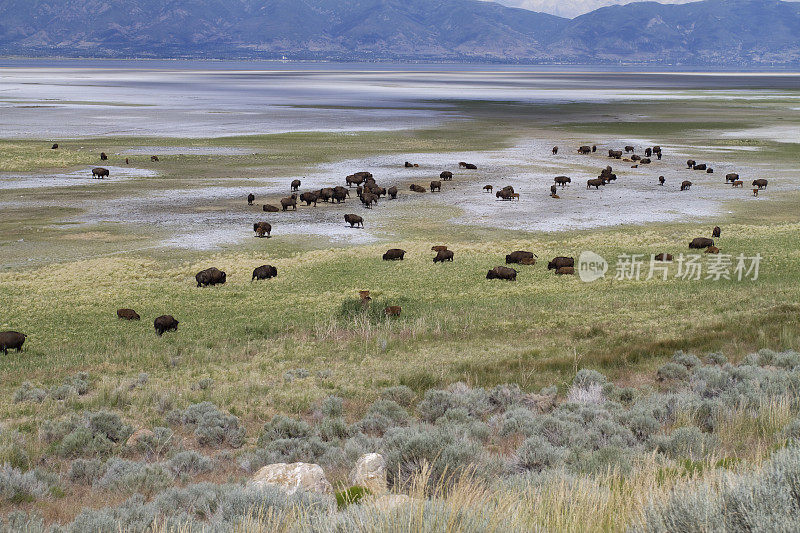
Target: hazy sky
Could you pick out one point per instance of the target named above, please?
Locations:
(573, 8)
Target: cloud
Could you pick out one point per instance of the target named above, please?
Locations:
(573, 8)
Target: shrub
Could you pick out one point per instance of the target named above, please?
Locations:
(517, 421)
(400, 394)
(716, 359)
(593, 393)
(382, 415)
(295, 373)
(19, 487)
(333, 407)
(86, 471)
(134, 476)
(688, 360)
(586, 377)
(536, 454)
(27, 393)
(212, 426)
(505, 395)
(672, 371)
(109, 425)
(684, 442)
(189, 463)
(284, 427)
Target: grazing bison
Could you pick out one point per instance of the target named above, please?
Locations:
(354, 180)
(691, 163)
(661, 180)
(553, 190)
(663, 257)
(262, 228)
(505, 194)
(154, 158)
(438, 248)
(712, 250)
(392, 192)
(291, 201)
(446, 176)
(635, 157)
(436, 186)
(555, 150)
(596, 183)
(11, 340)
(165, 323)
(264, 272)
(709, 171)
(295, 185)
(686, 185)
(470, 166)
(731, 177)
(701, 166)
(127, 314)
(100, 172)
(443, 255)
(251, 198)
(629, 149)
(559, 262)
(324, 194)
(656, 149)
(368, 199)
(716, 232)
(354, 220)
(488, 188)
(760, 183)
(518, 256)
(103, 156)
(648, 152)
(701, 242)
(210, 276)
(270, 208)
(645, 161)
(409, 165)
(616, 154)
(309, 198)
(738, 183)
(562, 180)
(417, 188)
(394, 254)
(54, 147)
(501, 272)
(585, 150)
(393, 310)
(339, 196)
(568, 271)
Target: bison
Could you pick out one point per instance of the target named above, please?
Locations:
(691, 163)
(615, 154)
(251, 198)
(555, 150)
(443, 255)
(700, 243)
(154, 158)
(127, 314)
(262, 228)
(100, 172)
(392, 192)
(446, 176)
(501, 272)
(394, 254)
(339, 196)
(645, 161)
(291, 201)
(264, 272)
(324, 194)
(438, 248)
(709, 170)
(354, 180)
(393, 310)
(54, 147)
(716, 232)
(648, 152)
(559, 262)
(436, 186)
(686, 185)
(712, 250)
(518, 256)
(354, 220)
(488, 188)
(731, 177)
(417, 188)
(210, 276)
(295, 185)
(568, 271)
(596, 183)
(553, 190)
(103, 156)
(368, 199)
(661, 180)
(738, 183)
(12, 340)
(562, 180)
(270, 208)
(663, 257)
(505, 194)
(585, 150)
(760, 183)
(701, 166)
(309, 198)
(165, 323)
(629, 149)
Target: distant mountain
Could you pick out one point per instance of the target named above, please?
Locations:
(718, 32)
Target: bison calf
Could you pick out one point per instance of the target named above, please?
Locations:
(393, 310)
(11, 340)
(716, 232)
(165, 323)
(568, 271)
(127, 314)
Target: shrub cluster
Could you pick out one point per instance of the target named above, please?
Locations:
(212, 427)
(73, 386)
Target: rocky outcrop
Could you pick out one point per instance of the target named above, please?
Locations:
(370, 472)
(292, 477)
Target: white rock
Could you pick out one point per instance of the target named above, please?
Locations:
(370, 472)
(293, 477)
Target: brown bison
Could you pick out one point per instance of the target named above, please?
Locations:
(417, 188)
(596, 183)
(368, 199)
(615, 154)
(210, 276)
(165, 323)
(262, 228)
(393, 310)
(716, 232)
(645, 161)
(661, 180)
(700, 243)
(410, 165)
(392, 192)
(291, 201)
(691, 163)
(11, 340)
(555, 150)
(738, 183)
(443, 255)
(446, 176)
(686, 185)
(656, 149)
(251, 198)
(629, 149)
(103, 156)
(354, 220)
(712, 250)
(100, 172)
(339, 196)
(127, 314)
(438, 248)
(635, 157)
(568, 271)
(324, 194)
(701, 166)
(760, 183)
(648, 152)
(731, 177)
(352, 180)
(505, 194)
(264, 272)
(309, 198)
(54, 147)
(518, 256)
(559, 262)
(154, 158)
(295, 185)
(562, 180)
(488, 188)
(709, 170)
(270, 208)
(585, 150)
(394, 254)
(553, 190)
(594, 148)
(436, 186)
(663, 257)
(501, 272)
